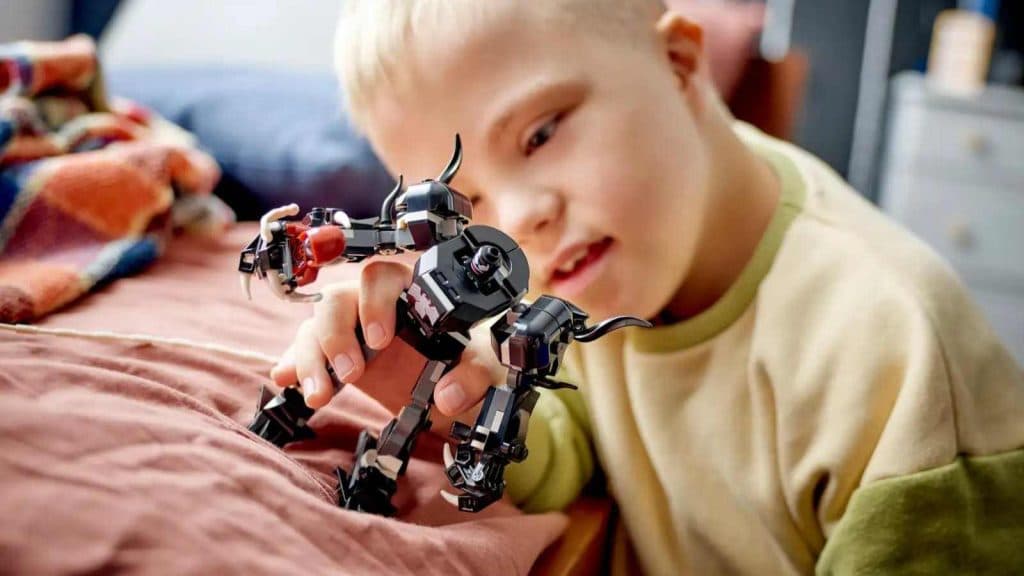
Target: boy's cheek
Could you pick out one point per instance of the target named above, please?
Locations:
(483, 215)
(537, 284)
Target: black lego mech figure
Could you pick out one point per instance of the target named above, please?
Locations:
(465, 274)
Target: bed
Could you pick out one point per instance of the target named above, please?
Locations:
(124, 447)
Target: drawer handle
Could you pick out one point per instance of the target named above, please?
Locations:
(961, 235)
(976, 143)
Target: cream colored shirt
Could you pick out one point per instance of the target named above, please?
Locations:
(846, 353)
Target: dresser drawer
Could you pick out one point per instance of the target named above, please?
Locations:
(949, 141)
(979, 229)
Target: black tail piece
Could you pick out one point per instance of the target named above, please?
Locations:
(609, 325)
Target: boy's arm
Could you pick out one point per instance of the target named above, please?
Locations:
(560, 460)
(899, 422)
(917, 456)
(967, 516)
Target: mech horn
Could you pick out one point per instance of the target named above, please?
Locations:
(453, 164)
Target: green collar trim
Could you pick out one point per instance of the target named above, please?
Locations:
(738, 297)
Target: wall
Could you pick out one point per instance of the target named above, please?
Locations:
(297, 34)
(831, 33)
(33, 19)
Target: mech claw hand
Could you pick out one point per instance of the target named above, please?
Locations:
(530, 341)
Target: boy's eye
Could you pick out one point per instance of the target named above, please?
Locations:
(542, 135)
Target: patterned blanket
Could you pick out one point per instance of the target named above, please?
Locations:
(91, 188)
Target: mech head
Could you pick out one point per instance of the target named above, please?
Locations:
(432, 210)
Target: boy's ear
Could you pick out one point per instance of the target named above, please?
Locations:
(683, 41)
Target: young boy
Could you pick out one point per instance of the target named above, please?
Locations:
(820, 394)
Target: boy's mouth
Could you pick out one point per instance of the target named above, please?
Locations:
(576, 266)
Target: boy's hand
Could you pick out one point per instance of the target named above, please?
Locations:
(330, 335)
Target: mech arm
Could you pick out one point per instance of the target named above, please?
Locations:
(530, 342)
(288, 254)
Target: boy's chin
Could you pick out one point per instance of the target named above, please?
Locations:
(606, 308)
(597, 304)
(597, 308)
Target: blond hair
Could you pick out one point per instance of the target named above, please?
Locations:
(374, 37)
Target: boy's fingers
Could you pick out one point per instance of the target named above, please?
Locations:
(382, 283)
(334, 323)
(310, 371)
(463, 387)
(283, 373)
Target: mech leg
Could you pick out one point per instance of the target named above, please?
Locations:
(282, 419)
(497, 438)
(379, 462)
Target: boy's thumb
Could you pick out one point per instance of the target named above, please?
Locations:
(463, 387)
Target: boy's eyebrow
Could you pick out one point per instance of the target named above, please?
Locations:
(510, 107)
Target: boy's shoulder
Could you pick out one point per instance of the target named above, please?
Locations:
(863, 311)
(841, 250)
(886, 376)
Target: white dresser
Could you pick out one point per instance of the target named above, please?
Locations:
(953, 173)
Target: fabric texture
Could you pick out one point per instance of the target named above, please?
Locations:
(279, 136)
(90, 188)
(130, 454)
(846, 356)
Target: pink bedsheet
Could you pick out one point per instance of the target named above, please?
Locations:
(129, 455)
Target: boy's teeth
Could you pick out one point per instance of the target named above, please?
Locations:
(571, 263)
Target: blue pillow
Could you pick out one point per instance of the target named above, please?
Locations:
(279, 137)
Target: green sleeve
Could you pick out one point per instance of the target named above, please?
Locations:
(963, 518)
(560, 461)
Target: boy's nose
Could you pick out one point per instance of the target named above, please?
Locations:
(530, 214)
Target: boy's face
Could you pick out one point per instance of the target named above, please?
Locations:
(587, 152)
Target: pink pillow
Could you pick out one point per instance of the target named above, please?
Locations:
(730, 30)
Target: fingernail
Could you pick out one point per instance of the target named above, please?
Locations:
(375, 335)
(451, 397)
(343, 366)
(309, 387)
